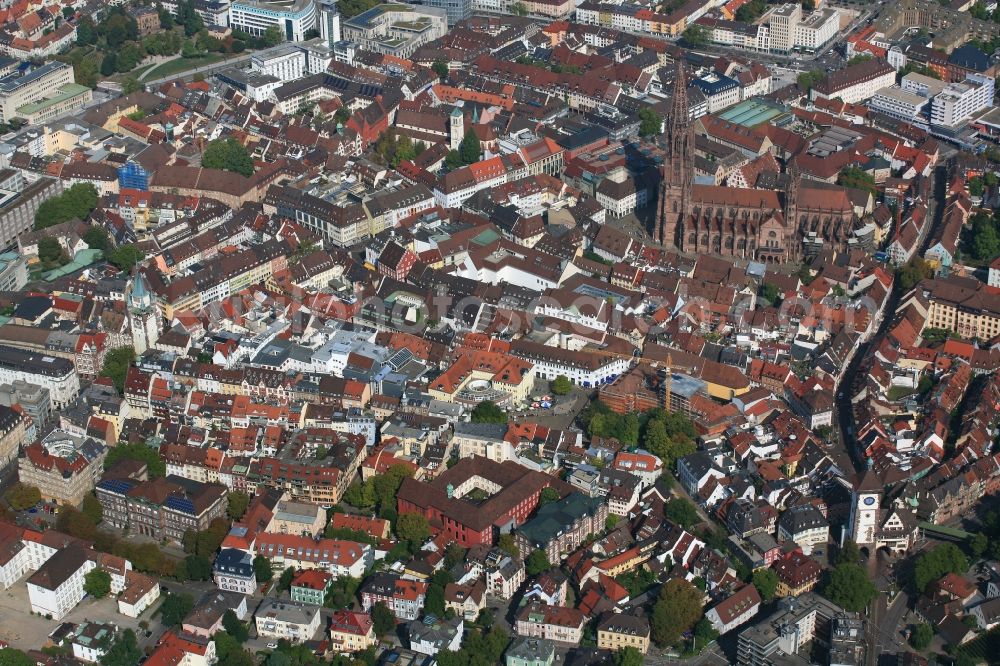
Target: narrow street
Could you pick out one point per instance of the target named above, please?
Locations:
(883, 617)
(857, 369)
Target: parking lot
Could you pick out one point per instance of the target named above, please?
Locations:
(29, 632)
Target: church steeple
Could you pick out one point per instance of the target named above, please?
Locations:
(678, 165)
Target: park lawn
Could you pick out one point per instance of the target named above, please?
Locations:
(181, 65)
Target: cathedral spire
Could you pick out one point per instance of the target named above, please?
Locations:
(679, 113)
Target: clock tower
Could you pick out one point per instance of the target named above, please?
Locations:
(865, 505)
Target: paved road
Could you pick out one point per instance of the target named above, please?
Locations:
(857, 369)
(204, 69)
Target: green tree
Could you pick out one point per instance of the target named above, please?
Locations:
(86, 31)
(109, 64)
(272, 36)
(155, 466)
(488, 412)
(849, 587)
(175, 608)
(77, 202)
(97, 583)
(921, 636)
(628, 656)
(124, 651)
(807, 80)
(129, 56)
(237, 503)
(912, 272)
(537, 562)
(849, 553)
(682, 512)
(978, 544)
(198, 567)
(507, 544)
(387, 485)
(650, 122)
(434, 600)
(676, 611)
(413, 527)
(857, 178)
(51, 254)
(695, 36)
(985, 237)
(548, 495)
(130, 84)
(97, 238)
(92, 509)
(116, 365)
(766, 582)
(262, 569)
(126, 257)
(235, 627)
(86, 71)
(770, 294)
(440, 68)
(383, 620)
(166, 18)
(611, 522)
(22, 497)
(933, 564)
(360, 494)
(14, 657)
(470, 148)
(561, 385)
(453, 160)
(285, 581)
(229, 155)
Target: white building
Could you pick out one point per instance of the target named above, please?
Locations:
(856, 83)
(816, 29)
(139, 594)
(329, 22)
(288, 62)
(293, 17)
(56, 374)
(91, 640)
(431, 635)
(734, 610)
(958, 101)
(233, 571)
(293, 621)
(583, 368)
(896, 102)
(57, 587)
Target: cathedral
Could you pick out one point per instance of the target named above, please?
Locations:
(741, 222)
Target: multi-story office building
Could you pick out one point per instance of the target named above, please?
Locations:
(293, 17)
(896, 102)
(958, 101)
(234, 572)
(64, 467)
(163, 508)
(816, 29)
(13, 434)
(328, 19)
(783, 21)
(856, 82)
(57, 587)
(19, 201)
(797, 621)
(57, 375)
(289, 620)
(457, 10)
(40, 93)
(288, 62)
(396, 29)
